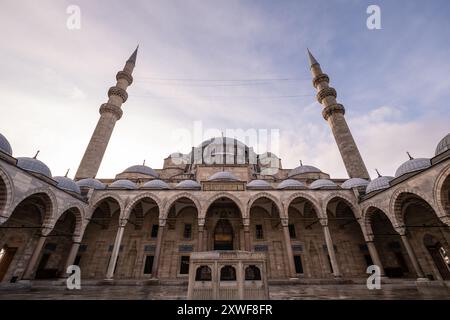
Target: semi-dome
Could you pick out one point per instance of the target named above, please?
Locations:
(412, 165)
(141, 169)
(443, 145)
(156, 184)
(291, 184)
(34, 165)
(91, 184)
(354, 183)
(67, 184)
(123, 184)
(303, 169)
(188, 184)
(322, 183)
(379, 183)
(223, 176)
(258, 184)
(4, 145)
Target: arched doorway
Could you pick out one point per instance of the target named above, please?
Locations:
(223, 235)
(57, 246)
(20, 234)
(223, 226)
(139, 241)
(266, 235)
(421, 222)
(352, 254)
(389, 245)
(439, 255)
(98, 239)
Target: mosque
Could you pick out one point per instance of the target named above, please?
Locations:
(144, 224)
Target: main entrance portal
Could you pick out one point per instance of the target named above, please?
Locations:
(223, 235)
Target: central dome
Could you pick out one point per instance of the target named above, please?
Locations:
(303, 169)
(223, 176)
(141, 169)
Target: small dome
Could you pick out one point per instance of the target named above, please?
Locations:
(91, 184)
(4, 145)
(188, 184)
(34, 165)
(67, 184)
(303, 169)
(223, 176)
(156, 184)
(379, 184)
(123, 184)
(141, 169)
(354, 183)
(322, 183)
(412, 165)
(258, 184)
(291, 184)
(443, 145)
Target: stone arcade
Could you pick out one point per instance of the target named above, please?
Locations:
(144, 224)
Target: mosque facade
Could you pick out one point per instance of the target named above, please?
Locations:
(144, 223)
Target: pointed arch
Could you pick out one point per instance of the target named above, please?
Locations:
(227, 195)
(350, 202)
(172, 200)
(134, 201)
(98, 201)
(6, 195)
(440, 183)
(309, 198)
(266, 195)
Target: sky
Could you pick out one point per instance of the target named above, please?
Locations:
(226, 65)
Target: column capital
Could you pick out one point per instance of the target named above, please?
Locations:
(162, 223)
(284, 222)
(201, 221)
(401, 230)
(323, 222)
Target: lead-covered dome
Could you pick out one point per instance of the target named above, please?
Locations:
(67, 184)
(141, 169)
(303, 169)
(258, 184)
(123, 184)
(156, 184)
(188, 184)
(379, 183)
(4, 145)
(443, 145)
(91, 184)
(323, 184)
(34, 165)
(291, 184)
(412, 165)
(355, 183)
(223, 176)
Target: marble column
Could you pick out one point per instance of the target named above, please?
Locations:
(115, 253)
(30, 270)
(411, 254)
(374, 255)
(247, 238)
(289, 252)
(159, 239)
(330, 248)
(200, 238)
(72, 255)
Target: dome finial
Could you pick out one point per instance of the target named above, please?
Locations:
(410, 157)
(301, 163)
(35, 156)
(143, 163)
(67, 173)
(378, 173)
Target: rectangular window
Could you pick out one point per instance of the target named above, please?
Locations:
(148, 264)
(184, 265)
(259, 232)
(187, 233)
(154, 233)
(292, 233)
(298, 264)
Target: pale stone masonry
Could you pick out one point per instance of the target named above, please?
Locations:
(110, 112)
(283, 226)
(333, 112)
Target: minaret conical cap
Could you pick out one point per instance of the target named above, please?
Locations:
(133, 57)
(312, 60)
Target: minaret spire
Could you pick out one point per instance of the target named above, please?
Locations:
(333, 112)
(110, 112)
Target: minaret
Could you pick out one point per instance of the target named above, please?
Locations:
(333, 113)
(110, 112)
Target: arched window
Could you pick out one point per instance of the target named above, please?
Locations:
(228, 273)
(252, 273)
(203, 273)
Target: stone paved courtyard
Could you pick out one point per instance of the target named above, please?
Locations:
(277, 292)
